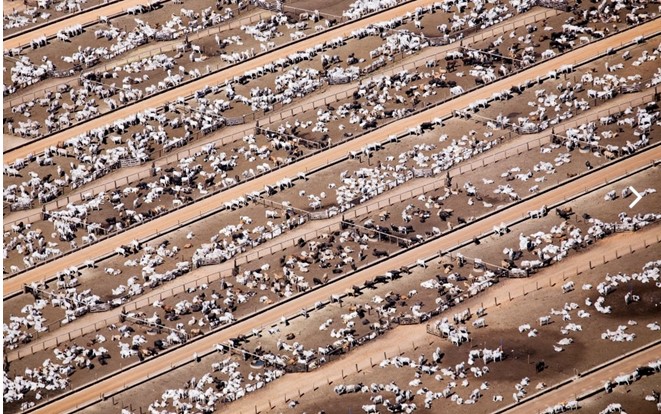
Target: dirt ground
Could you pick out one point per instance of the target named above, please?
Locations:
(102, 284)
(57, 48)
(631, 397)
(521, 352)
(502, 375)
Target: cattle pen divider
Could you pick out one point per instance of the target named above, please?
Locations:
(33, 95)
(455, 171)
(167, 159)
(148, 300)
(218, 67)
(102, 3)
(494, 157)
(539, 15)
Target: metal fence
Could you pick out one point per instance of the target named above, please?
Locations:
(20, 206)
(452, 37)
(462, 260)
(479, 37)
(130, 162)
(297, 12)
(491, 158)
(347, 93)
(422, 189)
(146, 301)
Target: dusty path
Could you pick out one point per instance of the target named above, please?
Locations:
(82, 18)
(219, 77)
(12, 141)
(151, 48)
(293, 307)
(73, 329)
(305, 104)
(336, 153)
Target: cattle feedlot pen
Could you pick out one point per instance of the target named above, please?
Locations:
(246, 206)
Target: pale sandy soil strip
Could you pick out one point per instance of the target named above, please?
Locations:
(229, 73)
(12, 141)
(240, 68)
(392, 344)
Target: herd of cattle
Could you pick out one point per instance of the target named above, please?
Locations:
(72, 168)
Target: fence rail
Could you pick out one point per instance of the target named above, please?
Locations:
(491, 158)
(233, 24)
(590, 266)
(536, 17)
(348, 92)
(501, 155)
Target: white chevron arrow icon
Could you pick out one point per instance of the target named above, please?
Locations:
(638, 197)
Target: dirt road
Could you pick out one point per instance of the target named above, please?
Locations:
(73, 329)
(99, 249)
(305, 104)
(293, 307)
